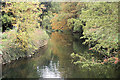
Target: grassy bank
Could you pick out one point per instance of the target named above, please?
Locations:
(22, 33)
(13, 49)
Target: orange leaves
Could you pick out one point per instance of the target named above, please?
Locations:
(26, 20)
(95, 26)
(90, 48)
(106, 60)
(59, 38)
(68, 11)
(59, 22)
(54, 13)
(60, 42)
(114, 60)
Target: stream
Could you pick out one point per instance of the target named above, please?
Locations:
(54, 61)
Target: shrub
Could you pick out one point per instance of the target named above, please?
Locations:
(101, 26)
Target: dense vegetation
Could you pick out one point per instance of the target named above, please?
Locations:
(97, 23)
(26, 35)
(101, 29)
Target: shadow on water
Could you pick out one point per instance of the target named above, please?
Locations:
(54, 61)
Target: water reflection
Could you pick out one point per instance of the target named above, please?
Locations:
(50, 71)
(54, 61)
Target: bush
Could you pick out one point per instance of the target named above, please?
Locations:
(13, 50)
(27, 35)
(101, 26)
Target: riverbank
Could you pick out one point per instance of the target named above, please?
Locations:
(54, 61)
(12, 50)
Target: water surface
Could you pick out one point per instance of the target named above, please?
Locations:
(54, 61)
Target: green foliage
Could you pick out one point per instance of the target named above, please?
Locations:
(55, 7)
(100, 29)
(46, 21)
(75, 24)
(27, 35)
(85, 60)
(12, 49)
(101, 26)
(52, 8)
(98, 22)
(25, 23)
(67, 11)
(6, 19)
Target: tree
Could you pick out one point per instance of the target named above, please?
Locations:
(26, 18)
(68, 11)
(101, 26)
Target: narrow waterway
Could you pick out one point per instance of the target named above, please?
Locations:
(54, 61)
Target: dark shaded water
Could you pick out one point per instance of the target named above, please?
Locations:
(54, 61)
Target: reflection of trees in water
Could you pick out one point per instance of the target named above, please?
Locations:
(61, 43)
(50, 71)
(59, 51)
(27, 68)
(62, 46)
(20, 69)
